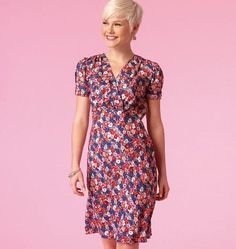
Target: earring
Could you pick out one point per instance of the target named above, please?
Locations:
(134, 37)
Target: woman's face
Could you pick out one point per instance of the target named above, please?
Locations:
(116, 32)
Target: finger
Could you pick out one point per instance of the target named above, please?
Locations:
(79, 193)
(76, 190)
(83, 186)
(78, 185)
(81, 182)
(158, 198)
(163, 194)
(166, 190)
(160, 194)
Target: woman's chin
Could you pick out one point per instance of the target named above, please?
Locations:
(111, 42)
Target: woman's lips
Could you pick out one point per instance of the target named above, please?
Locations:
(111, 38)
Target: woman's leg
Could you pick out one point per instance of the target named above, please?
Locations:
(127, 246)
(108, 243)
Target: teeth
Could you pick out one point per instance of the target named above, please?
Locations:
(111, 37)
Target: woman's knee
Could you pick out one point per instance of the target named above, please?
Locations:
(109, 243)
(127, 246)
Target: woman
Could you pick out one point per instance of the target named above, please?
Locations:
(121, 87)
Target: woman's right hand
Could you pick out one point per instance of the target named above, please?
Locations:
(78, 178)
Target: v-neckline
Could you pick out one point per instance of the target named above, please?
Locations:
(119, 74)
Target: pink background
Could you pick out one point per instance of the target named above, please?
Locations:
(41, 42)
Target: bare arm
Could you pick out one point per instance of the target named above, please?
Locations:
(79, 130)
(156, 130)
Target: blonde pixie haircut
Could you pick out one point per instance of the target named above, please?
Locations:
(128, 9)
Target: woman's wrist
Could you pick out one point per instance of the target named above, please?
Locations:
(74, 172)
(162, 172)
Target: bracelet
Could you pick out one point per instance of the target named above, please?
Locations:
(74, 172)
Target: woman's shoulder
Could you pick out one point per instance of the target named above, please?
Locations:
(89, 60)
(149, 63)
(149, 67)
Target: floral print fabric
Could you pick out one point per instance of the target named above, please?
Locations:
(121, 163)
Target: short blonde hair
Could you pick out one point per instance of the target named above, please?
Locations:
(128, 9)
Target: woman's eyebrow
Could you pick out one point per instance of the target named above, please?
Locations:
(118, 20)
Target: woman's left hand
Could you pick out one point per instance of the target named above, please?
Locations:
(163, 187)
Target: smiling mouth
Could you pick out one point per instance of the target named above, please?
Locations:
(111, 38)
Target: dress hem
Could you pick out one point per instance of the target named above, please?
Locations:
(137, 240)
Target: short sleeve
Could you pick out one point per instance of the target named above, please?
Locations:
(154, 90)
(81, 84)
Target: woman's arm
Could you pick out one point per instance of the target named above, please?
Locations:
(156, 131)
(79, 130)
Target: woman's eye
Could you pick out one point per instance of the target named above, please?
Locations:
(116, 24)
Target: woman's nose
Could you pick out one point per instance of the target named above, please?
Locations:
(110, 29)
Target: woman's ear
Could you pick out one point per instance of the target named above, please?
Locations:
(135, 29)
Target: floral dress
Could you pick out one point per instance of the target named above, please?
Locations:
(121, 162)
